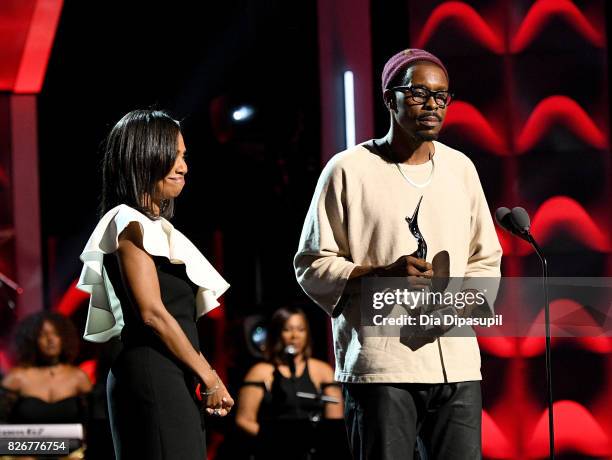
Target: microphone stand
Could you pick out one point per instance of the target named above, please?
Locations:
(291, 365)
(551, 429)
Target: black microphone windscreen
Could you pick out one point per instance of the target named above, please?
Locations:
(501, 213)
(521, 218)
(504, 219)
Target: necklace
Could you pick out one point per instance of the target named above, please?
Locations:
(52, 370)
(51, 367)
(415, 184)
(410, 181)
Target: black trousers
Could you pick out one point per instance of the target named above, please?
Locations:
(383, 421)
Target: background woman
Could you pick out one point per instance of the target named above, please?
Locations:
(45, 387)
(269, 391)
(149, 284)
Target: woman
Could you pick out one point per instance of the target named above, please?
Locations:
(269, 390)
(45, 386)
(149, 284)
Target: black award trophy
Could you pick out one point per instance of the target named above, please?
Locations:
(413, 225)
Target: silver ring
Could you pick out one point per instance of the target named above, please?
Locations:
(217, 412)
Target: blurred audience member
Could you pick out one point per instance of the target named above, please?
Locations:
(45, 386)
(269, 392)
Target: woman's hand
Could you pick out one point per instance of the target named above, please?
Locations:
(219, 403)
(215, 396)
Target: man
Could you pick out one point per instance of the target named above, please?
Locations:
(357, 227)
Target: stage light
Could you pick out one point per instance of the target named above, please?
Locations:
(243, 113)
(349, 109)
(255, 333)
(258, 337)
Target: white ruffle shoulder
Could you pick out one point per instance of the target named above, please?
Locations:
(160, 238)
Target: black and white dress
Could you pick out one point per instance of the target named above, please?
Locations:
(152, 405)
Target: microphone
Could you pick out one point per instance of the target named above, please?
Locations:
(289, 354)
(291, 350)
(516, 222)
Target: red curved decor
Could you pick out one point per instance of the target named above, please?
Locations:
(570, 322)
(601, 345)
(541, 13)
(534, 346)
(529, 347)
(576, 430)
(559, 110)
(467, 19)
(502, 347)
(563, 214)
(568, 319)
(72, 299)
(474, 127)
(495, 444)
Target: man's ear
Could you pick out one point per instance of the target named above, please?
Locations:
(390, 102)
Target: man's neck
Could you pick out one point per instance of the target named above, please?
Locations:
(408, 150)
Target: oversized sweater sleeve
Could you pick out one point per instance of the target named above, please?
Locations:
(485, 251)
(323, 260)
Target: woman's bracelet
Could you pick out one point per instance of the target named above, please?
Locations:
(213, 390)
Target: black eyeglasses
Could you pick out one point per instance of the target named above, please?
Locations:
(421, 95)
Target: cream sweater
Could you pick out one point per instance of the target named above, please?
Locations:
(357, 217)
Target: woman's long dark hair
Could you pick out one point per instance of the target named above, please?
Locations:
(28, 331)
(140, 151)
(274, 340)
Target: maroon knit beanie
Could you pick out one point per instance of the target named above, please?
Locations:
(403, 59)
